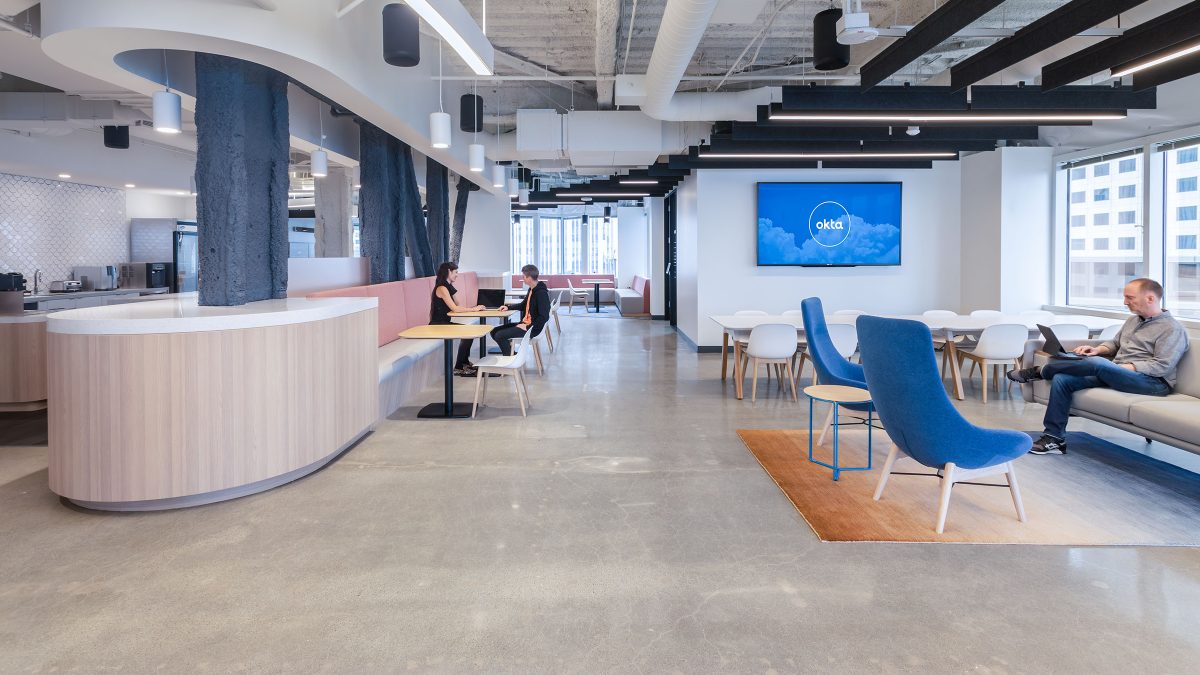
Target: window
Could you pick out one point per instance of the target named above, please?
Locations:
(1100, 244)
(1185, 156)
(1078, 197)
(1126, 243)
(1100, 219)
(1100, 170)
(1185, 241)
(1185, 213)
(1095, 265)
(1127, 218)
(1128, 165)
(1100, 195)
(550, 248)
(1078, 221)
(523, 250)
(1186, 184)
(1077, 244)
(573, 246)
(1079, 173)
(602, 246)
(1126, 191)
(565, 244)
(1180, 171)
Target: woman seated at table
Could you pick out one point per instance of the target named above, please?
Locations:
(440, 307)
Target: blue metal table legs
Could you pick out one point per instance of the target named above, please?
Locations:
(837, 470)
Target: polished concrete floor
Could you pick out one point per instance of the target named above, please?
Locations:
(622, 527)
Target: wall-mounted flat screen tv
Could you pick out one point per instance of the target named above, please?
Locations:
(829, 224)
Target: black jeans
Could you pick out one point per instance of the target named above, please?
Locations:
(464, 353)
(505, 334)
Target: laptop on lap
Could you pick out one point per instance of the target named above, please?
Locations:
(1054, 347)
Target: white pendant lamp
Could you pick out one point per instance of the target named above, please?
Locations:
(476, 156)
(439, 129)
(319, 159)
(523, 196)
(514, 187)
(499, 173)
(168, 107)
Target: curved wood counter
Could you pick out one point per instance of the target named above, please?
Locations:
(165, 404)
(23, 362)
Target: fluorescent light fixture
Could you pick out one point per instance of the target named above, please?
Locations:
(320, 163)
(64, 176)
(638, 181)
(828, 155)
(949, 116)
(439, 129)
(130, 186)
(452, 21)
(558, 203)
(476, 157)
(628, 195)
(168, 112)
(1140, 65)
(499, 175)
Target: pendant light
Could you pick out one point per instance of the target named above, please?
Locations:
(168, 107)
(499, 174)
(828, 53)
(514, 187)
(439, 122)
(319, 159)
(476, 154)
(523, 196)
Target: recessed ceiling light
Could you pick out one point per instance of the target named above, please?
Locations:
(64, 175)
(130, 185)
(828, 155)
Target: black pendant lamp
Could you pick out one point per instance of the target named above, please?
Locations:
(116, 137)
(828, 53)
(401, 35)
(470, 113)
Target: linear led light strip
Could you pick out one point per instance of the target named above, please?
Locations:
(827, 155)
(1129, 69)
(638, 182)
(947, 117)
(450, 35)
(630, 195)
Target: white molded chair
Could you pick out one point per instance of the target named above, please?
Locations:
(1110, 333)
(939, 313)
(504, 365)
(554, 314)
(984, 313)
(772, 343)
(801, 345)
(1070, 331)
(536, 343)
(939, 343)
(850, 312)
(1000, 345)
(573, 295)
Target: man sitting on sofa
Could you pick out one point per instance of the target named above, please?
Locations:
(1144, 356)
(535, 312)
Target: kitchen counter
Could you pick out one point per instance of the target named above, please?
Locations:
(30, 316)
(166, 404)
(33, 301)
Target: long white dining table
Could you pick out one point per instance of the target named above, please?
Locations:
(948, 328)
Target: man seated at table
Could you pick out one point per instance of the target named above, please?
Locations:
(535, 312)
(1141, 359)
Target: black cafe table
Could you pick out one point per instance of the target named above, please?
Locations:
(448, 333)
(596, 289)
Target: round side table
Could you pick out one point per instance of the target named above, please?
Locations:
(837, 395)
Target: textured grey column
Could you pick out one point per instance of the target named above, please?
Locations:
(465, 188)
(411, 218)
(381, 239)
(437, 197)
(335, 236)
(241, 180)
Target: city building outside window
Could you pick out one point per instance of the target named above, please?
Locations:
(1078, 221)
(1185, 242)
(1100, 244)
(1185, 156)
(1127, 191)
(1126, 243)
(1185, 184)
(1127, 218)
(1077, 245)
(1096, 268)
(1078, 197)
(1100, 195)
(1100, 219)
(1100, 170)
(1127, 165)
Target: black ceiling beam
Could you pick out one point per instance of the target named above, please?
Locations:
(1093, 97)
(879, 98)
(945, 21)
(1167, 72)
(1057, 26)
(748, 131)
(1178, 25)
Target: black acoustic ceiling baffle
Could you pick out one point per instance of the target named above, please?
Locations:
(401, 35)
(470, 113)
(828, 53)
(116, 137)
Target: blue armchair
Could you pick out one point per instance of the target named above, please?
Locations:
(902, 375)
(831, 366)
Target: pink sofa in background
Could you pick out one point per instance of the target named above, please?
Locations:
(406, 367)
(635, 300)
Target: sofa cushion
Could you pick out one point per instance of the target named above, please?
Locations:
(392, 315)
(399, 355)
(418, 294)
(1189, 372)
(1107, 402)
(1175, 416)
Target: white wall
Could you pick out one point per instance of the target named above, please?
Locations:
(146, 204)
(658, 303)
(717, 250)
(485, 245)
(633, 244)
(981, 224)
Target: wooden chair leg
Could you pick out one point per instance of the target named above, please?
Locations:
(724, 354)
(944, 502)
(754, 386)
(829, 422)
(525, 388)
(983, 379)
(887, 471)
(550, 339)
(1011, 474)
(557, 322)
(520, 396)
(791, 376)
(479, 378)
(537, 357)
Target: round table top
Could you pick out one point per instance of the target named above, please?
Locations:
(836, 393)
(446, 331)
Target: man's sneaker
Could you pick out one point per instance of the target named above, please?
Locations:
(1048, 444)
(1025, 375)
(465, 371)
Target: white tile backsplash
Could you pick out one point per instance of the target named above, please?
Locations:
(53, 226)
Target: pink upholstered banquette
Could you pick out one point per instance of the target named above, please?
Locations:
(404, 304)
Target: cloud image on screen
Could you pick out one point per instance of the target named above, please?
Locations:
(829, 224)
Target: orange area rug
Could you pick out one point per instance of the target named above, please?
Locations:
(1098, 495)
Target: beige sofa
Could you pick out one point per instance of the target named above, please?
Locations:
(1173, 419)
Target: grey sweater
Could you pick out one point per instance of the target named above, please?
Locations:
(1153, 346)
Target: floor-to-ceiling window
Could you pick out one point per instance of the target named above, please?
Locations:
(565, 244)
(524, 250)
(1105, 219)
(1181, 201)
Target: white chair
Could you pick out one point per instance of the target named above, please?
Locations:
(1110, 333)
(845, 341)
(504, 365)
(939, 343)
(939, 314)
(772, 344)
(1070, 331)
(801, 345)
(1000, 345)
(536, 343)
(738, 338)
(554, 313)
(574, 294)
(985, 313)
(849, 312)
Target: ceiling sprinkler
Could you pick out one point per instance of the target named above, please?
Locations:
(913, 131)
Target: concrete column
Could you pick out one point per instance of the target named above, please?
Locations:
(335, 236)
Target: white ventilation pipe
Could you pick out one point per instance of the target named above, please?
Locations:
(683, 25)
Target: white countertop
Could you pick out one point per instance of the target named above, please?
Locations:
(183, 315)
